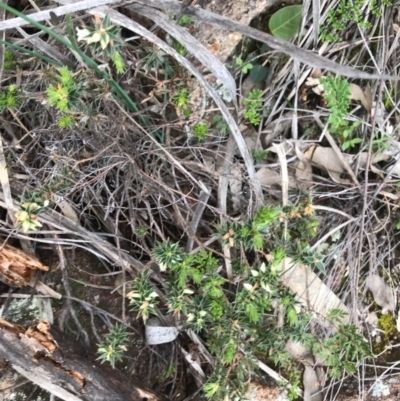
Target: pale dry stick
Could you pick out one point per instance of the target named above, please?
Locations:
(284, 175)
(45, 48)
(122, 20)
(285, 200)
(3, 38)
(222, 197)
(201, 205)
(24, 296)
(9, 204)
(331, 209)
(5, 182)
(355, 272)
(70, 8)
(165, 151)
(335, 148)
(197, 49)
(276, 376)
(45, 383)
(305, 56)
(331, 232)
(295, 125)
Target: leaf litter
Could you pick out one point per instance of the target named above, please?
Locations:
(316, 167)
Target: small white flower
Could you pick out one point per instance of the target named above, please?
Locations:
(133, 294)
(82, 34)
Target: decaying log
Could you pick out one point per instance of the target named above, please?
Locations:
(65, 368)
(18, 269)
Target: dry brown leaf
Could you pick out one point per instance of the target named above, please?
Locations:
(235, 184)
(298, 351)
(66, 209)
(250, 136)
(312, 390)
(317, 73)
(357, 94)
(303, 168)
(310, 291)
(381, 292)
(368, 98)
(315, 85)
(268, 176)
(328, 159)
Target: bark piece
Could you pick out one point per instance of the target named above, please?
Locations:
(17, 269)
(69, 372)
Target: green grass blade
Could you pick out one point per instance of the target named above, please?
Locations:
(31, 53)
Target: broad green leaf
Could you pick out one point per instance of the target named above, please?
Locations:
(258, 73)
(285, 23)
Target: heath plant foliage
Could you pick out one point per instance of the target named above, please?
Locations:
(238, 322)
(114, 345)
(126, 106)
(104, 39)
(252, 107)
(337, 96)
(350, 12)
(27, 215)
(9, 98)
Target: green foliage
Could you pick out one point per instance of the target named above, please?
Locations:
(185, 20)
(66, 121)
(154, 58)
(220, 125)
(103, 39)
(337, 95)
(28, 213)
(244, 67)
(168, 373)
(118, 62)
(167, 254)
(143, 296)
(258, 73)
(380, 143)
(141, 231)
(306, 256)
(66, 95)
(9, 60)
(341, 351)
(179, 48)
(285, 23)
(200, 131)
(348, 11)
(181, 98)
(9, 98)
(252, 109)
(230, 319)
(114, 345)
(259, 155)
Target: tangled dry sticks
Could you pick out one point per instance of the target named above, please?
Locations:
(128, 172)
